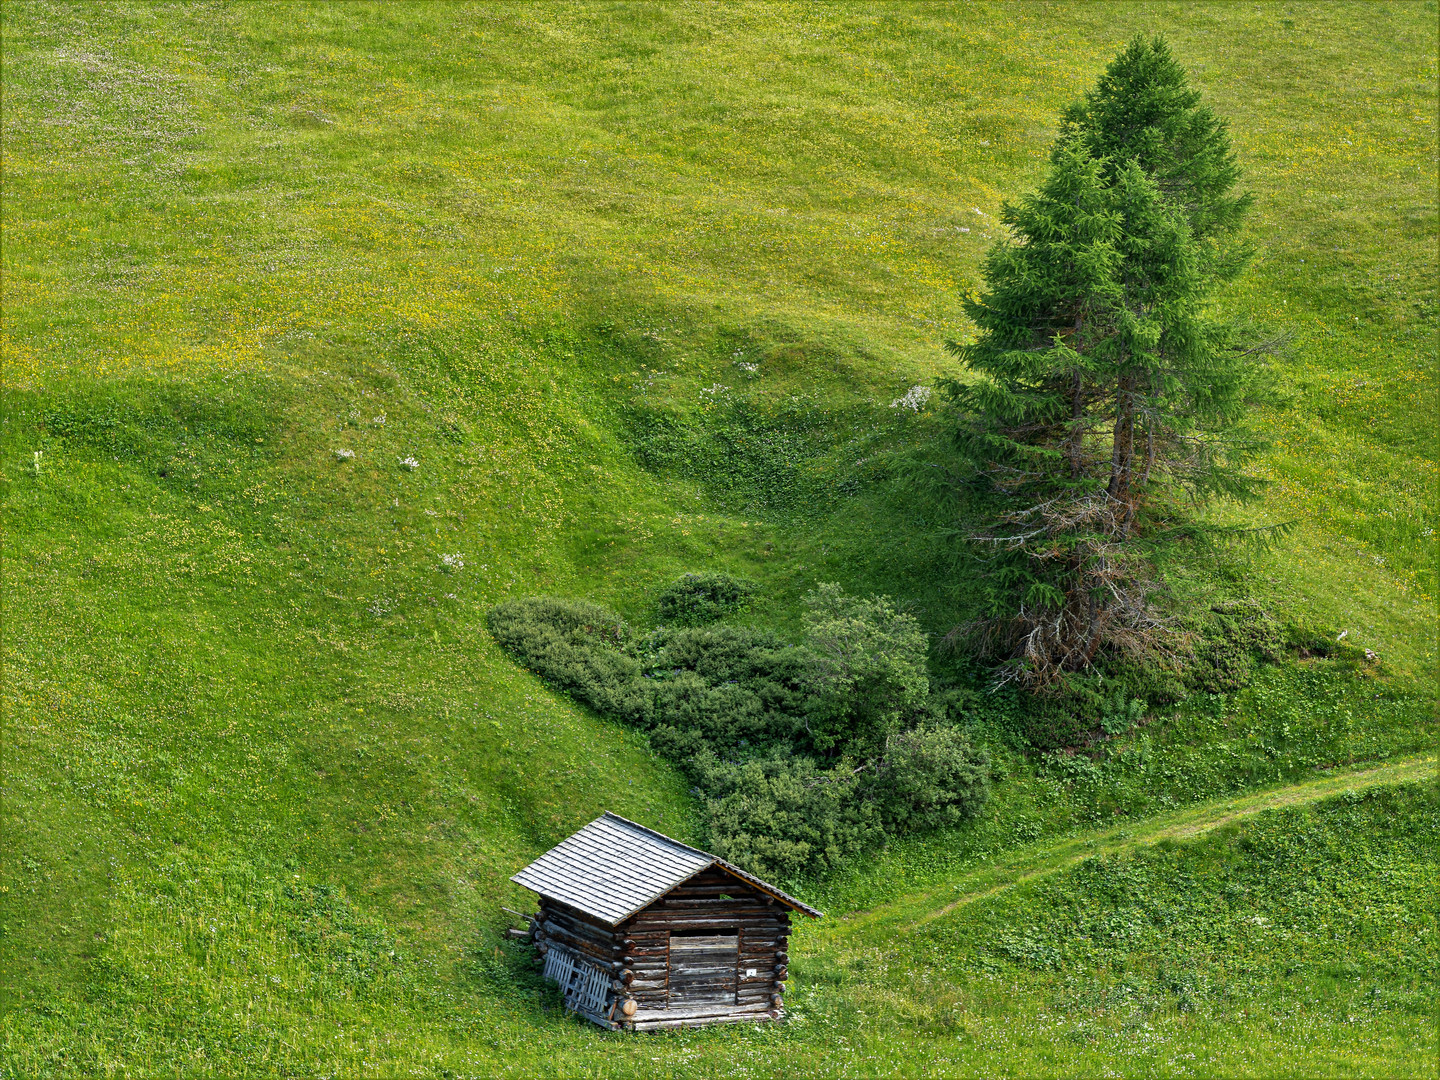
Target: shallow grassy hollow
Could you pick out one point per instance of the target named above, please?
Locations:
(265, 775)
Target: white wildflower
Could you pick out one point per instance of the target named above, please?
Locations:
(344, 455)
(409, 464)
(914, 399)
(451, 563)
(379, 420)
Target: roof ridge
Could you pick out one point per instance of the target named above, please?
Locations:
(614, 867)
(660, 836)
(716, 860)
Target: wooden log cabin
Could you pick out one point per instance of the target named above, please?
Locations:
(642, 932)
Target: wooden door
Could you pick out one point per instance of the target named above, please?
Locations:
(703, 967)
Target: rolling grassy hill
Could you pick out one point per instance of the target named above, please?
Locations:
(634, 288)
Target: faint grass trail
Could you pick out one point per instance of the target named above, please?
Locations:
(1044, 858)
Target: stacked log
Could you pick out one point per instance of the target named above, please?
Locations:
(716, 901)
(715, 917)
(584, 934)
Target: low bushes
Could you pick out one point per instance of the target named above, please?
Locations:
(803, 753)
(577, 646)
(781, 814)
(1237, 635)
(929, 777)
(701, 598)
(1228, 643)
(867, 670)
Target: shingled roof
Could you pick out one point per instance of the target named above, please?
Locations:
(614, 867)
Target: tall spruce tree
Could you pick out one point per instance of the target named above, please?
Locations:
(1143, 110)
(1108, 396)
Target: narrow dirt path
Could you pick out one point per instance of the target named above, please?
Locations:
(1045, 858)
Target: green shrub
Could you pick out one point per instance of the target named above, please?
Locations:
(930, 777)
(1307, 640)
(701, 598)
(1066, 720)
(515, 621)
(869, 671)
(1220, 668)
(782, 816)
(741, 711)
(1075, 714)
(579, 647)
(1237, 635)
(1121, 714)
(1245, 624)
(732, 686)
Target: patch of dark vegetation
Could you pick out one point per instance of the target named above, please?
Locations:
(1226, 647)
(753, 457)
(578, 647)
(702, 598)
(805, 753)
(1238, 635)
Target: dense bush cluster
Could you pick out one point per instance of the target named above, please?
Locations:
(807, 753)
(703, 598)
(804, 753)
(1238, 635)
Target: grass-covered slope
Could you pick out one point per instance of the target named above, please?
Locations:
(1294, 943)
(635, 288)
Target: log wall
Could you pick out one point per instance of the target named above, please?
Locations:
(713, 900)
(637, 952)
(585, 934)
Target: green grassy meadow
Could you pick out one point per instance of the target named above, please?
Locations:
(632, 288)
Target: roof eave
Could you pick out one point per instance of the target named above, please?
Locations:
(748, 878)
(711, 860)
(770, 890)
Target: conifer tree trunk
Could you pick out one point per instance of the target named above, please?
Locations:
(1122, 455)
(1074, 442)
